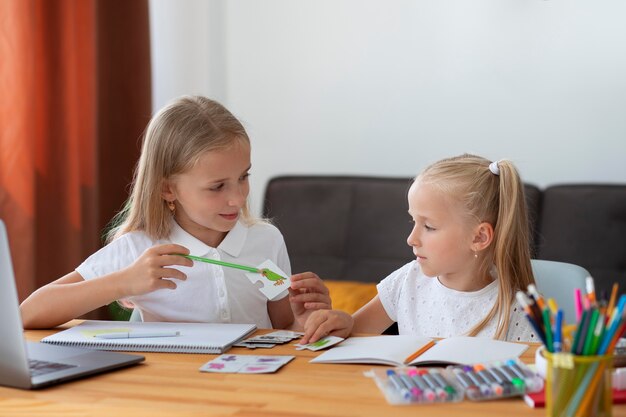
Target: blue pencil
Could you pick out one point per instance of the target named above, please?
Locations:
(538, 329)
(558, 331)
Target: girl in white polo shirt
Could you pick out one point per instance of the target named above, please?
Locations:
(471, 244)
(189, 196)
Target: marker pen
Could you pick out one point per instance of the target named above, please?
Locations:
(441, 381)
(507, 385)
(532, 382)
(472, 390)
(427, 393)
(484, 388)
(508, 372)
(398, 385)
(488, 379)
(441, 394)
(416, 393)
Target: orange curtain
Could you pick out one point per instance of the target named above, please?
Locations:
(74, 100)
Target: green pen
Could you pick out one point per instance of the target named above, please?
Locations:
(548, 329)
(267, 273)
(597, 335)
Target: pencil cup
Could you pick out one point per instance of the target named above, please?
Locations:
(578, 386)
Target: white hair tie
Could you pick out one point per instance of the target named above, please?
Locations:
(494, 168)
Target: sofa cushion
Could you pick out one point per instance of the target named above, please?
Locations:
(349, 296)
(586, 225)
(342, 228)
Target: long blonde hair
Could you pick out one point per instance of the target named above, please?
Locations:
(497, 199)
(174, 140)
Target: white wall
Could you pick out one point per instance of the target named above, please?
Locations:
(375, 87)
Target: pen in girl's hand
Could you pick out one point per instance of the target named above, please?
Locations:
(133, 335)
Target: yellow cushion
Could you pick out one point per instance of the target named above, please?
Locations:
(349, 296)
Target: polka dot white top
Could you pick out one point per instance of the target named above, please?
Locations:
(422, 306)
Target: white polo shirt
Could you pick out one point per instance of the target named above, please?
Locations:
(211, 293)
(423, 306)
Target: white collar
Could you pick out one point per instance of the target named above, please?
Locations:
(232, 244)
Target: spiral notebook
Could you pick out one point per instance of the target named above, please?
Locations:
(191, 338)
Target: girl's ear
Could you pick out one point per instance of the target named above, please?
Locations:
(167, 191)
(483, 236)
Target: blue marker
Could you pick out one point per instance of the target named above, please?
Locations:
(614, 323)
(398, 385)
(558, 331)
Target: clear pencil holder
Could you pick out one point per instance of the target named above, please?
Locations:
(578, 386)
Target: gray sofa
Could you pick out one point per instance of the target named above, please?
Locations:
(355, 228)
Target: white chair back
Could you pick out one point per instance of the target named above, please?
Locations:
(558, 280)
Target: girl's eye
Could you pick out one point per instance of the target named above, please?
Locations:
(429, 228)
(244, 176)
(217, 187)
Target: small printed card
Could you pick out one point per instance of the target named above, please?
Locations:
(323, 343)
(269, 340)
(274, 286)
(246, 364)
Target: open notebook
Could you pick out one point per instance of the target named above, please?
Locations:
(192, 337)
(394, 350)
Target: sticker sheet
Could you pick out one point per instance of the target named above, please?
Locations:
(246, 364)
(269, 340)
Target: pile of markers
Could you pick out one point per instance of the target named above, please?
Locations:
(497, 380)
(410, 385)
(598, 328)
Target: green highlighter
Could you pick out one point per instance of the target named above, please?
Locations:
(267, 273)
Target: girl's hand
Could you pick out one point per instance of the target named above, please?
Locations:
(327, 323)
(149, 272)
(306, 295)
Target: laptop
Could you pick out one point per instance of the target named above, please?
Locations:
(31, 365)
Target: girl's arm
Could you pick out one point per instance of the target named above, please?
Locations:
(67, 298)
(371, 318)
(280, 313)
(72, 296)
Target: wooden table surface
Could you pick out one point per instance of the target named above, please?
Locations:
(170, 384)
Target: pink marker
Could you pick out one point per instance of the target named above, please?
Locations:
(578, 304)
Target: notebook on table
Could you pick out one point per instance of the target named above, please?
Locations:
(191, 337)
(31, 365)
(400, 350)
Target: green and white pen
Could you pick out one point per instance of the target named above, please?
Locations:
(269, 274)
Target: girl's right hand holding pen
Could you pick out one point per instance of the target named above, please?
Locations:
(327, 323)
(150, 271)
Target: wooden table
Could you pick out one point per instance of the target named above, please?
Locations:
(169, 384)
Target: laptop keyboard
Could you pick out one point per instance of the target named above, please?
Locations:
(38, 367)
